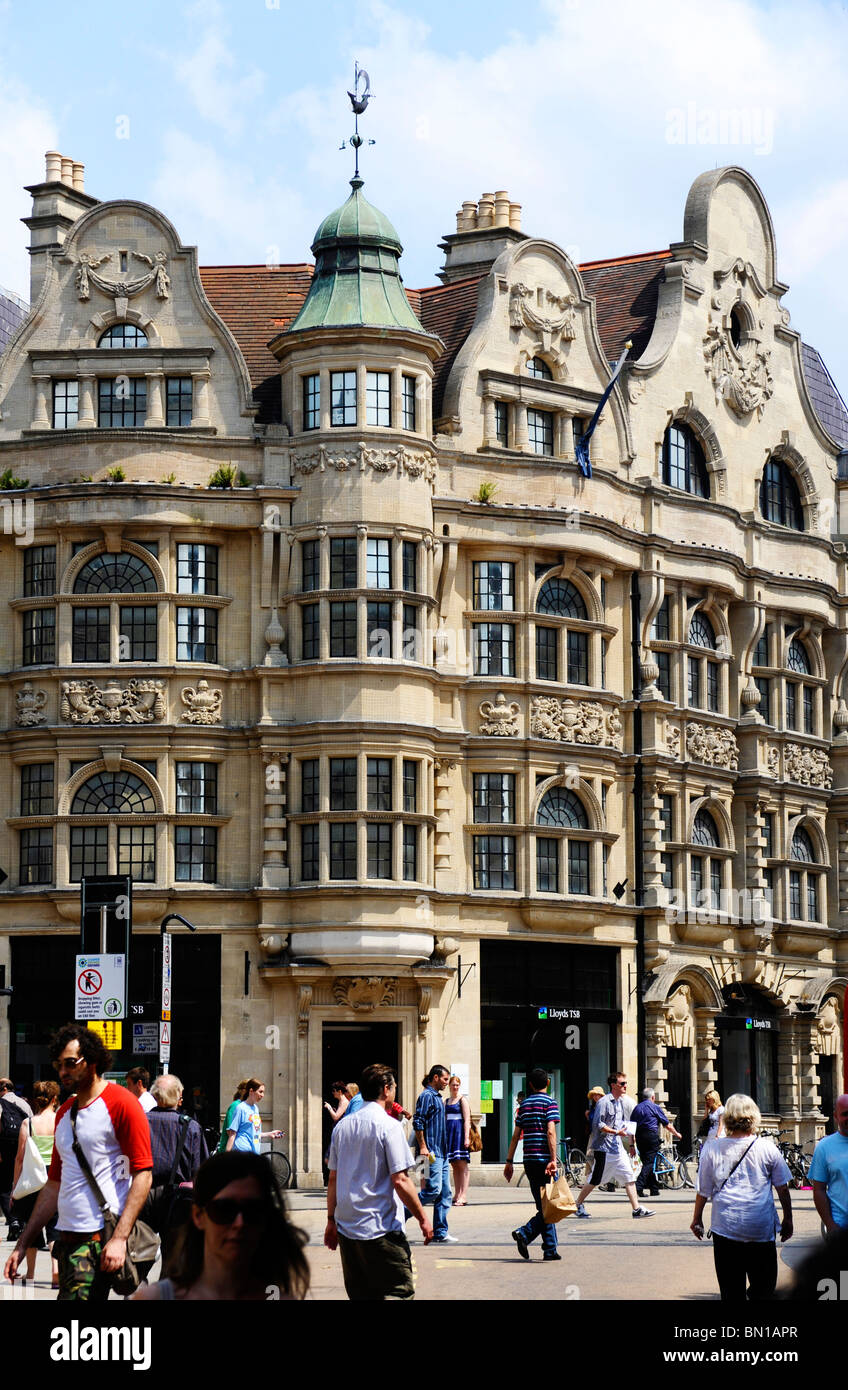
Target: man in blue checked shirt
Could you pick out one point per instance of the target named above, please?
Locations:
(536, 1122)
(428, 1123)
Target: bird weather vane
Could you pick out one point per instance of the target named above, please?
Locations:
(359, 99)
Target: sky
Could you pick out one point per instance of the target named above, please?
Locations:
(595, 115)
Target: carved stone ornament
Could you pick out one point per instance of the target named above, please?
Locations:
(86, 276)
(304, 1004)
(828, 1029)
(203, 706)
(741, 376)
(30, 705)
(672, 740)
(499, 719)
(414, 463)
(773, 762)
(522, 314)
(809, 766)
(140, 702)
(715, 747)
(364, 992)
(677, 1008)
(572, 721)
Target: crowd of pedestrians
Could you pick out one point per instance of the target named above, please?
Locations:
(111, 1177)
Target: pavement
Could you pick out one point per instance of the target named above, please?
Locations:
(610, 1257)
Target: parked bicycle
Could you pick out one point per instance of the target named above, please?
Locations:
(574, 1162)
(795, 1159)
(671, 1170)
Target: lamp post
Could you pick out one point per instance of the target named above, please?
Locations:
(165, 1004)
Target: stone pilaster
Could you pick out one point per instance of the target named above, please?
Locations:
(275, 869)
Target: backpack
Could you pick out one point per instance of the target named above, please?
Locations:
(10, 1123)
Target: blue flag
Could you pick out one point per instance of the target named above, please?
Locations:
(581, 448)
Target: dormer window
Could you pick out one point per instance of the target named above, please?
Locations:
(683, 461)
(780, 500)
(123, 335)
(538, 367)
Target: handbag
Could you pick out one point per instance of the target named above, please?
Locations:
(475, 1140)
(33, 1171)
(142, 1242)
(557, 1199)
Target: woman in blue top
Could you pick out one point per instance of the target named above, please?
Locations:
(244, 1132)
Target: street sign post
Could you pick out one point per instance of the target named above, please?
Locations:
(165, 1018)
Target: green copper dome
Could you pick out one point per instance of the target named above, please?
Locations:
(357, 274)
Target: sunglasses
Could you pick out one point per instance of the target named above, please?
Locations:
(69, 1064)
(224, 1210)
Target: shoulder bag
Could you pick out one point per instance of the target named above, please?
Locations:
(142, 1242)
(726, 1180)
(33, 1171)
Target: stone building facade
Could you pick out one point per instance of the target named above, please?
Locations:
(449, 751)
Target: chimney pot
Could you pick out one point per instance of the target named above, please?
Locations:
(79, 177)
(486, 210)
(67, 171)
(53, 167)
(469, 216)
(515, 216)
(502, 208)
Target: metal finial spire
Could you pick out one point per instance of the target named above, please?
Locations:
(359, 99)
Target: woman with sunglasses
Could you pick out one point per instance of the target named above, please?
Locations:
(238, 1243)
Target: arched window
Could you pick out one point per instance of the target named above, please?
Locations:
(123, 335)
(704, 830)
(538, 367)
(780, 500)
(108, 847)
(113, 791)
(797, 658)
(804, 901)
(701, 632)
(559, 596)
(683, 461)
(559, 648)
(115, 574)
(560, 809)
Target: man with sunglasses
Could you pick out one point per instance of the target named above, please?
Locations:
(112, 1131)
(609, 1128)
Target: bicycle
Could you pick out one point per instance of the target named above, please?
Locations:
(574, 1162)
(670, 1170)
(280, 1165)
(795, 1159)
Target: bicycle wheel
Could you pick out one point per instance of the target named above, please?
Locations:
(281, 1166)
(577, 1166)
(683, 1177)
(664, 1171)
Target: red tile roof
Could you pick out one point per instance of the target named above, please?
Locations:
(258, 302)
(625, 290)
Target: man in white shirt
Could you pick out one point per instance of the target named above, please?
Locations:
(369, 1180)
(138, 1083)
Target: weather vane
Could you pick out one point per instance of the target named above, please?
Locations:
(359, 99)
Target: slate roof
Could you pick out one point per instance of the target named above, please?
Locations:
(448, 310)
(829, 405)
(625, 291)
(13, 311)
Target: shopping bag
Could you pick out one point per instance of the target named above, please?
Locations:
(557, 1200)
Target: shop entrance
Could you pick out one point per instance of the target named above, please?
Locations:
(679, 1066)
(826, 1072)
(346, 1049)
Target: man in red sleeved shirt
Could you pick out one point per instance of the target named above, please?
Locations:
(113, 1133)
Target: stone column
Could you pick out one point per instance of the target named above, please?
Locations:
(200, 399)
(489, 428)
(361, 557)
(326, 400)
(397, 399)
(519, 425)
(443, 805)
(652, 826)
(41, 417)
(323, 558)
(656, 1047)
(275, 871)
(86, 419)
(155, 418)
(706, 1051)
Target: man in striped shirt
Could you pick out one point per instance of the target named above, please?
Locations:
(536, 1122)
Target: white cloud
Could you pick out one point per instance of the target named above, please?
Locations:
(27, 129)
(232, 214)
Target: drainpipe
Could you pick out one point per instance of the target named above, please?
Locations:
(638, 829)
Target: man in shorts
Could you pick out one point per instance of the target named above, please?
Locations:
(611, 1161)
